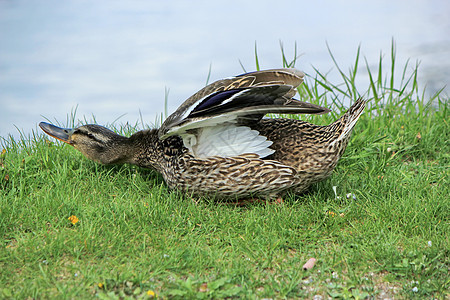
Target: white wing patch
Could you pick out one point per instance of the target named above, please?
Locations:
(227, 140)
(199, 123)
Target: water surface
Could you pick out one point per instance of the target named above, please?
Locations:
(115, 59)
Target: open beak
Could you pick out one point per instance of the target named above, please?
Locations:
(62, 134)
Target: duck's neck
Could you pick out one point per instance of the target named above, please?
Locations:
(150, 152)
(143, 149)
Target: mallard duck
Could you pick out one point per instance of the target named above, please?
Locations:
(218, 143)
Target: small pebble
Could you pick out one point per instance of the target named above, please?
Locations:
(166, 255)
(317, 297)
(429, 243)
(351, 195)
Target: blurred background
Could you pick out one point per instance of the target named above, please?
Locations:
(115, 59)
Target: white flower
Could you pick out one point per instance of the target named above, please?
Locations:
(429, 243)
(415, 289)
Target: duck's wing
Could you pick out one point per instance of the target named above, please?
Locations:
(240, 100)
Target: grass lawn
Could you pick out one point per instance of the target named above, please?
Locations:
(71, 228)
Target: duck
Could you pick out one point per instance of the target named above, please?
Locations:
(219, 143)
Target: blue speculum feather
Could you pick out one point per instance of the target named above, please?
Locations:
(215, 99)
(217, 102)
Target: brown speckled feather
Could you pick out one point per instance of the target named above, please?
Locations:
(232, 177)
(304, 154)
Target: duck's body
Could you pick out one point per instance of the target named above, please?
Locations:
(217, 143)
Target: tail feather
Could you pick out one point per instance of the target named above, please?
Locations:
(349, 119)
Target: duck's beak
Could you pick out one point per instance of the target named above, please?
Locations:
(62, 134)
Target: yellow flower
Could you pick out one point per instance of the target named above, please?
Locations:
(151, 293)
(100, 285)
(331, 213)
(3, 151)
(73, 219)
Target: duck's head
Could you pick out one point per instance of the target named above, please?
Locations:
(95, 142)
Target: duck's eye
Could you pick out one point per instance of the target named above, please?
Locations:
(85, 133)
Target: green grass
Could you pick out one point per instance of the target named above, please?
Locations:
(135, 237)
